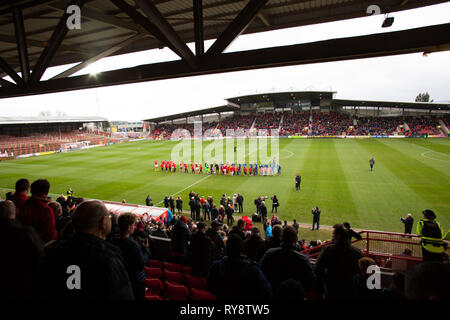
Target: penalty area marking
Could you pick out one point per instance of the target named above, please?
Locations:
(198, 181)
(291, 154)
(423, 154)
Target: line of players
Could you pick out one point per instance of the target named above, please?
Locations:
(245, 169)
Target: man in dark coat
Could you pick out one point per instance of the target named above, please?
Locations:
(86, 266)
(213, 234)
(336, 266)
(172, 204)
(235, 277)
(351, 232)
(198, 207)
(298, 181)
(179, 204)
(316, 217)
(240, 201)
(409, 222)
(371, 163)
(263, 210)
(229, 212)
(22, 257)
(134, 254)
(238, 229)
(192, 207)
(214, 212)
(285, 262)
(148, 201)
(201, 251)
(254, 247)
(180, 238)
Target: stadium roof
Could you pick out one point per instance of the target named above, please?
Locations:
(43, 120)
(282, 96)
(34, 36)
(392, 104)
(220, 109)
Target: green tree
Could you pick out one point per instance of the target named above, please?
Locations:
(423, 97)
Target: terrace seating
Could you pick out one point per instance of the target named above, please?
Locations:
(175, 291)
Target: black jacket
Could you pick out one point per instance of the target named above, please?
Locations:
(134, 258)
(335, 268)
(179, 204)
(237, 231)
(285, 262)
(238, 279)
(22, 257)
(217, 240)
(102, 271)
(316, 214)
(254, 248)
(201, 252)
(180, 237)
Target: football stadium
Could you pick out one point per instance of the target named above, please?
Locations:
(279, 195)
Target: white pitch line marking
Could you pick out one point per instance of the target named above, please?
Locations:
(423, 154)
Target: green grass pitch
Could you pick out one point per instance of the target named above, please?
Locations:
(410, 175)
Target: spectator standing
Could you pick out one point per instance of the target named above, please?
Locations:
(275, 240)
(229, 212)
(296, 225)
(275, 203)
(60, 220)
(180, 237)
(235, 276)
(240, 201)
(179, 204)
(201, 251)
(254, 247)
(239, 229)
(408, 222)
(134, 254)
(103, 275)
(35, 211)
(172, 204)
(235, 202)
(336, 266)
(263, 210)
(159, 231)
(206, 211)
(285, 262)
(214, 212)
(22, 255)
(216, 238)
(351, 232)
(192, 207)
(316, 217)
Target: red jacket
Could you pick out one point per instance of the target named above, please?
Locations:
(19, 198)
(36, 213)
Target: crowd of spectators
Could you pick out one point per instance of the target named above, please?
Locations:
(376, 126)
(45, 245)
(423, 126)
(330, 123)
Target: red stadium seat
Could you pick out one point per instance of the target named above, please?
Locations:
(197, 294)
(155, 263)
(176, 291)
(174, 276)
(150, 297)
(195, 282)
(186, 270)
(172, 266)
(154, 286)
(154, 272)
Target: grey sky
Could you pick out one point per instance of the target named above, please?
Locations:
(390, 78)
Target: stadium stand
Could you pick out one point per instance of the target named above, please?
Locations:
(316, 123)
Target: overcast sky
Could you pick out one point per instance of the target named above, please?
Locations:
(390, 78)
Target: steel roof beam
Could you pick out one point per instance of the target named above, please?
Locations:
(198, 27)
(10, 72)
(169, 33)
(22, 49)
(237, 26)
(98, 56)
(53, 44)
(425, 39)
